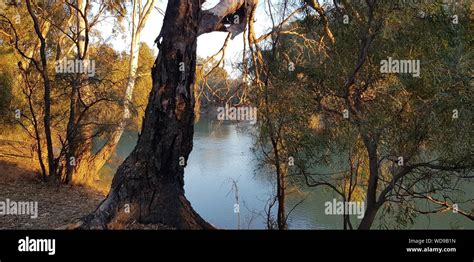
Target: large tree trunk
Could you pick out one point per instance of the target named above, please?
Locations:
(150, 182)
(149, 186)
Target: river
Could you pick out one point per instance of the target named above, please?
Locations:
(222, 154)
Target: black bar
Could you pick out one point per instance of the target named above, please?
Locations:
(324, 245)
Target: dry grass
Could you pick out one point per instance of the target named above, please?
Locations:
(57, 206)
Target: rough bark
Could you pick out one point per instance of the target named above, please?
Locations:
(149, 186)
(150, 182)
(139, 19)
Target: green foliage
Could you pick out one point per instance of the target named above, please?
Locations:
(8, 90)
(407, 116)
(143, 84)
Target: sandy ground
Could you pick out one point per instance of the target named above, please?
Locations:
(57, 206)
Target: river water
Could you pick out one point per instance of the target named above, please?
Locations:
(222, 154)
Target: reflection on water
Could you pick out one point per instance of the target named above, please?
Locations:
(222, 153)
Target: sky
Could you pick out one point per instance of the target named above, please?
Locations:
(208, 44)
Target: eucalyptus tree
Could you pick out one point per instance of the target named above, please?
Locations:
(149, 186)
(406, 132)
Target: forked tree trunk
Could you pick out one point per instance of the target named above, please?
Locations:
(150, 182)
(149, 186)
(88, 164)
(78, 135)
(47, 89)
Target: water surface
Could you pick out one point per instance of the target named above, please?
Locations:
(222, 154)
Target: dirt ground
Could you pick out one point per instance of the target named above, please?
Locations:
(57, 206)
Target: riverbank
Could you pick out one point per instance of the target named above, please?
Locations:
(57, 206)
